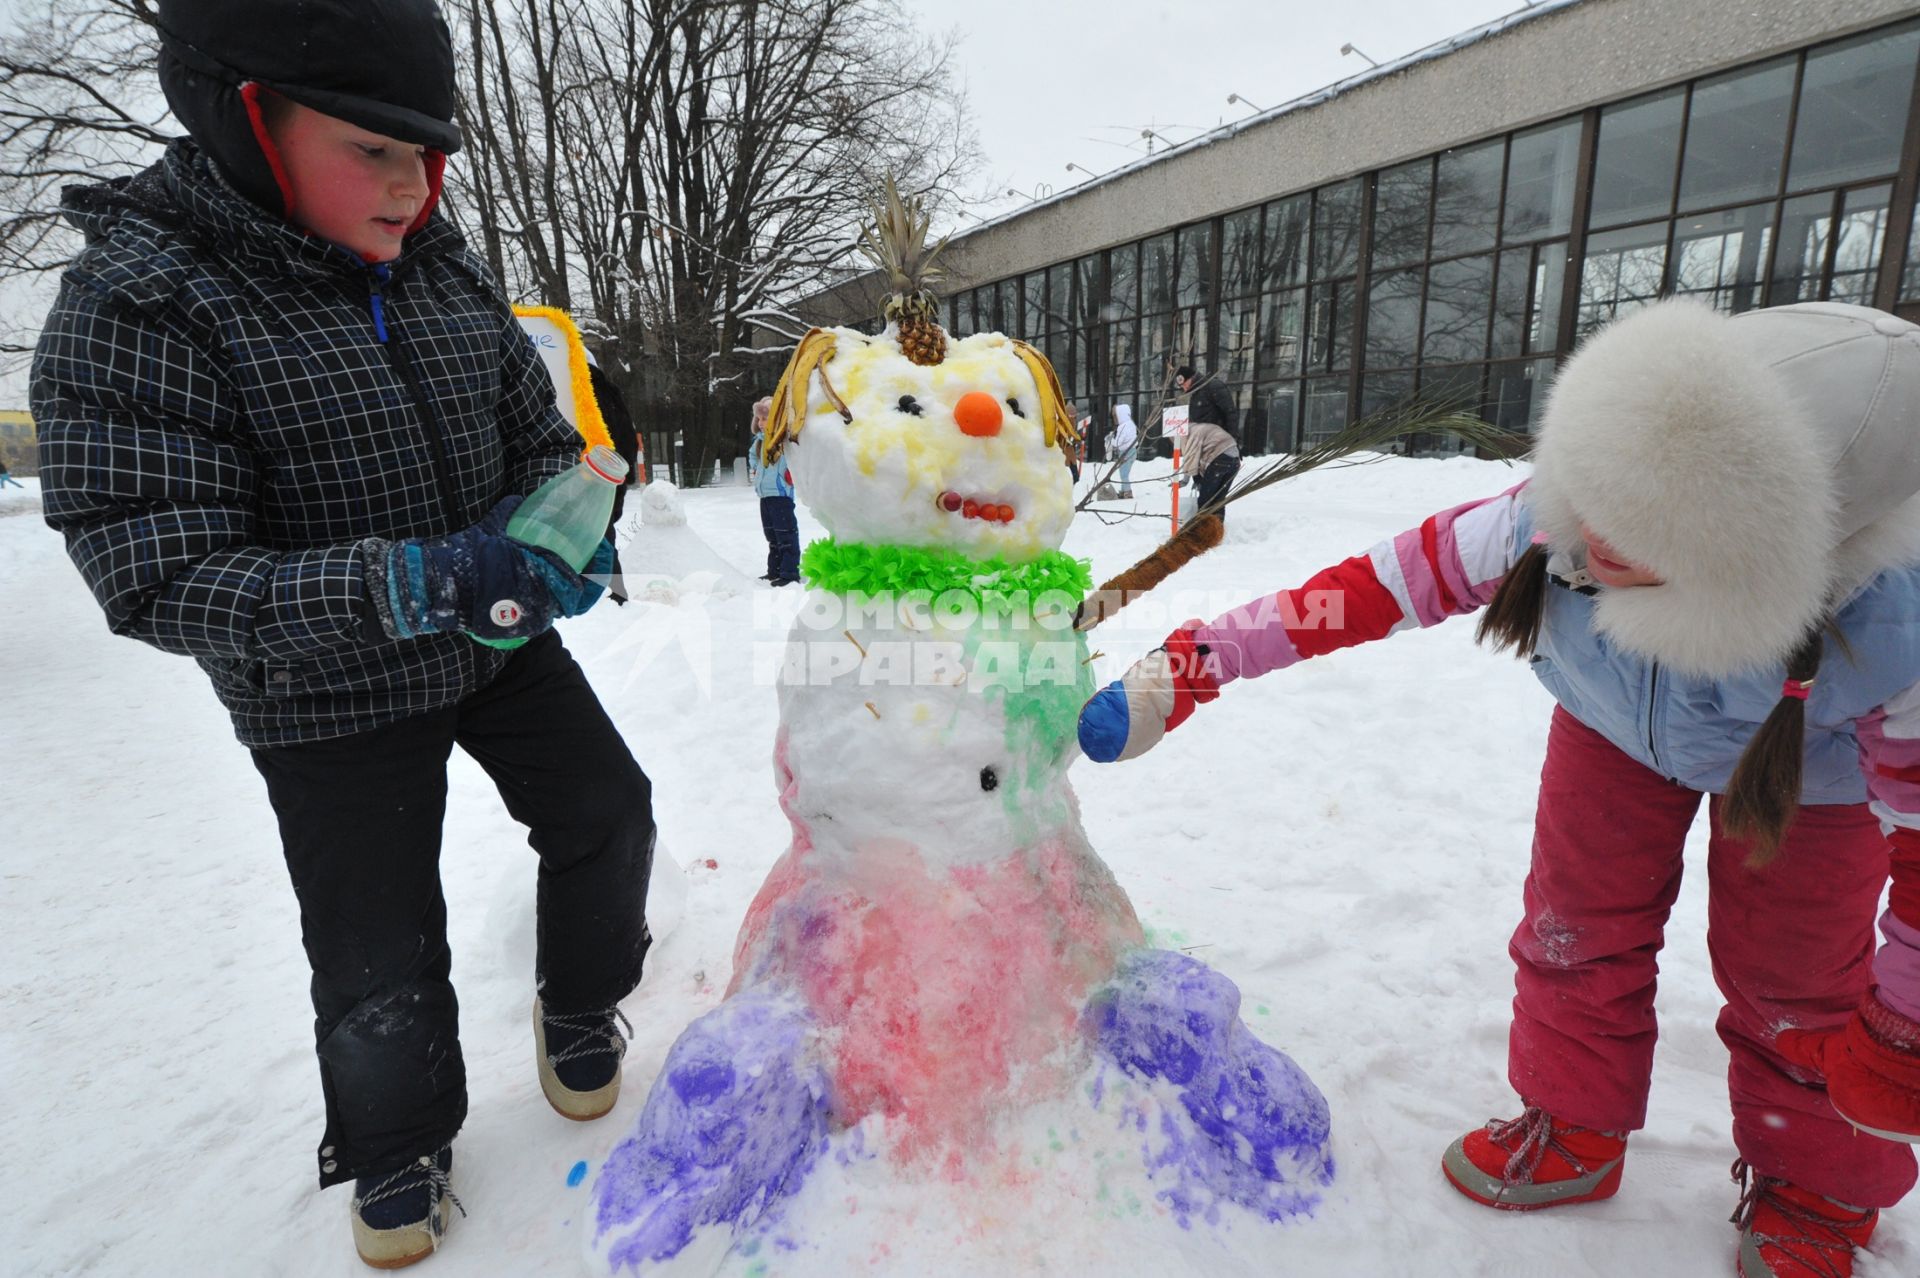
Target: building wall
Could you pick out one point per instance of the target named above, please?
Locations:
(1547, 64)
(1451, 225)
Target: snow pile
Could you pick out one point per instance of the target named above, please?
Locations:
(1346, 842)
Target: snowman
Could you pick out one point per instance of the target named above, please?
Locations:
(939, 946)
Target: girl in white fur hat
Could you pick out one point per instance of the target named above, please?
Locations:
(1715, 569)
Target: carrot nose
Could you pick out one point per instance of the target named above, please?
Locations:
(977, 414)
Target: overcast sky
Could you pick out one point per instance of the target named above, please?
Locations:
(1052, 82)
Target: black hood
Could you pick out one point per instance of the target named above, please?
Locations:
(385, 65)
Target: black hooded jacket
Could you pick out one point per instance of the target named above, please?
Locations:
(225, 415)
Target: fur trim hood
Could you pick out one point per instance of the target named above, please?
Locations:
(1765, 465)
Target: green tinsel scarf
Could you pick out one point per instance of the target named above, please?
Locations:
(860, 569)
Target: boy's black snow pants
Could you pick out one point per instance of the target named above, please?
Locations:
(360, 824)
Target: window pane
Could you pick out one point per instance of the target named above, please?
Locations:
(1123, 347)
(1458, 294)
(1336, 229)
(1284, 250)
(1466, 198)
(1123, 280)
(1863, 237)
(1282, 404)
(1325, 410)
(1549, 287)
(1461, 387)
(1720, 257)
(1806, 222)
(1196, 265)
(960, 321)
(1736, 135)
(1156, 274)
(1238, 324)
(1393, 318)
(1381, 391)
(1400, 214)
(1456, 387)
(1910, 278)
(1240, 253)
(1510, 302)
(1034, 319)
(1009, 304)
(1060, 302)
(1853, 109)
(1634, 165)
(1281, 318)
(1086, 279)
(1622, 272)
(1517, 392)
(1540, 169)
(1330, 327)
(1156, 353)
(1192, 337)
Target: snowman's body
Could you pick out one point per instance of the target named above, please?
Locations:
(928, 948)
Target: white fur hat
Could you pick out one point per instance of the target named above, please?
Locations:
(1763, 465)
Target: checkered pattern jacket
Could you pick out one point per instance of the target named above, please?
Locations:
(228, 407)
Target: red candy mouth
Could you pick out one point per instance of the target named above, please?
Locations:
(974, 508)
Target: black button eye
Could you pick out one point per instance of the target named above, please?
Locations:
(989, 779)
(909, 405)
(1014, 404)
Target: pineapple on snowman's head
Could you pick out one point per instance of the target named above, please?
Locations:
(907, 439)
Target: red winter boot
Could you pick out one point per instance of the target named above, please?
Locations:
(1789, 1232)
(1534, 1161)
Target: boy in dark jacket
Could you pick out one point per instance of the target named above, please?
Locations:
(284, 414)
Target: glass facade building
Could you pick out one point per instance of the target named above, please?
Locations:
(1469, 273)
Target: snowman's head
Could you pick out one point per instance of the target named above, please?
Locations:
(966, 454)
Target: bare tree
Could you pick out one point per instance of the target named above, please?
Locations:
(667, 170)
(79, 101)
(673, 169)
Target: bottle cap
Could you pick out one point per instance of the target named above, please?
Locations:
(606, 463)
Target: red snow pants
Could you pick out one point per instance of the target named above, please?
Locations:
(1791, 944)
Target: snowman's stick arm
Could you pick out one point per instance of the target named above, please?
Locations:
(1195, 539)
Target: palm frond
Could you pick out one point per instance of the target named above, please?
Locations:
(1364, 442)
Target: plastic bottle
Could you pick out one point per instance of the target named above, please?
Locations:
(568, 514)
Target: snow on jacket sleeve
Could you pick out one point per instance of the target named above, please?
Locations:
(1448, 566)
(141, 473)
(539, 443)
(1890, 757)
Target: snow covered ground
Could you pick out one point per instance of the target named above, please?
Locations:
(1346, 841)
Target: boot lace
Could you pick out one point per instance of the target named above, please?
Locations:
(1534, 1132)
(426, 1167)
(1831, 1246)
(599, 1033)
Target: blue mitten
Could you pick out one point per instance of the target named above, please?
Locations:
(478, 580)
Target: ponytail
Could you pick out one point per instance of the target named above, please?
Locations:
(1512, 619)
(1764, 794)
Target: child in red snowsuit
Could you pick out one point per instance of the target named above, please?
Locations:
(1715, 569)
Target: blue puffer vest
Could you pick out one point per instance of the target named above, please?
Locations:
(1692, 730)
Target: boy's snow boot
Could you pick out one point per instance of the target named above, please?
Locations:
(1789, 1232)
(579, 1055)
(1533, 1161)
(399, 1217)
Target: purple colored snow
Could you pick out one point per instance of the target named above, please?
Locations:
(1258, 1129)
(741, 1120)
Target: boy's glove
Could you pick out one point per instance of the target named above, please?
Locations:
(1128, 717)
(1872, 1068)
(477, 580)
